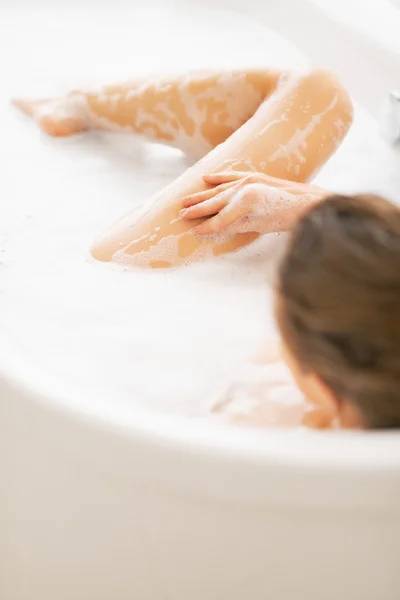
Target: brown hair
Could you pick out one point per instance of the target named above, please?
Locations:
(339, 288)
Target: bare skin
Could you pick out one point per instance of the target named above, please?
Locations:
(312, 403)
(245, 201)
(261, 122)
(261, 407)
(262, 135)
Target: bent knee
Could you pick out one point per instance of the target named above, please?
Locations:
(322, 82)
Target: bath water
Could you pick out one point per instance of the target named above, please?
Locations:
(172, 340)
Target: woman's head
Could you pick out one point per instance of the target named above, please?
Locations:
(338, 308)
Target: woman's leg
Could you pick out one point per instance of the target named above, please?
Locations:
(290, 136)
(194, 113)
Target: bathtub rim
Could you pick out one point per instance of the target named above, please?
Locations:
(348, 453)
(353, 473)
(342, 449)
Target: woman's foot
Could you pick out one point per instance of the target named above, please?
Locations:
(57, 117)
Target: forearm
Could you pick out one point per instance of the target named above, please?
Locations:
(296, 205)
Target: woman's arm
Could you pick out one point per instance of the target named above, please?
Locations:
(249, 202)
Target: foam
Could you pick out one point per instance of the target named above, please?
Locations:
(299, 140)
(261, 201)
(173, 340)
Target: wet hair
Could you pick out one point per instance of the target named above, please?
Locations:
(339, 309)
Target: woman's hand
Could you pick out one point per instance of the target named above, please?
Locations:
(241, 201)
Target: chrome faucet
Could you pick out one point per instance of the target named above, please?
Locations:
(391, 117)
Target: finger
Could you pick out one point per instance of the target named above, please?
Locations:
(221, 200)
(202, 196)
(207, 208)
(226, 177)
(222, 221)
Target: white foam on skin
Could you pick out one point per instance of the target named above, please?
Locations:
(172, 339)
(238, 101)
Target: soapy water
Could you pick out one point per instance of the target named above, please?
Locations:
(175, 340)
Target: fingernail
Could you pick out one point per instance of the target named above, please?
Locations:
(184, 212)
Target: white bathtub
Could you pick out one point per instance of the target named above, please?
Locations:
(101, 503)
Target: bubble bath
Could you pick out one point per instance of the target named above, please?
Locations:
(174, 340)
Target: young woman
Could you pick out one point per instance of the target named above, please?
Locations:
(262, 134)
(266, 133)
